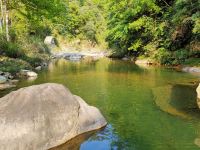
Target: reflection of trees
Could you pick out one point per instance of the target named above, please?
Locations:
(124, 67)
(74, 144)
(109, 138)
(63, 65)
(178, 100)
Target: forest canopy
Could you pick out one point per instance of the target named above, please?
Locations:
(167, 31)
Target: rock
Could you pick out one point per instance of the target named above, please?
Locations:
(13, 81)
(198, 95)
(30, 79)
(125, 58)
(28, 73)
(44, 64)
(3, 79)
(6, 74)
(44, 116)
(198, 91)
(191, 69)
(143, 62)
(6, 86)
(38, 68)
(50, 40)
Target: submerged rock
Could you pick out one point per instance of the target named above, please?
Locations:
(44, 116)
(125, 58)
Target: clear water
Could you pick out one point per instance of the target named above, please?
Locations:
(146, 108)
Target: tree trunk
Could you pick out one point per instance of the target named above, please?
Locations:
(7, 22)
(7, 26)
(2, 18)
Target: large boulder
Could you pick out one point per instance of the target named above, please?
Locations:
(44, 116)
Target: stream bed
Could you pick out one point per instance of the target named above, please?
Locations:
(147, 108)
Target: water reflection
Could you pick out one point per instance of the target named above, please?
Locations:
(147, 109)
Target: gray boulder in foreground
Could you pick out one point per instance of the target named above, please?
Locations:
(44, 116)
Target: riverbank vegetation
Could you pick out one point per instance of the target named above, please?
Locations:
(167, 31)
(163, 30)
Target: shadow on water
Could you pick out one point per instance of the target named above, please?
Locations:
(75, 143)
(179, 100)
(184, 98)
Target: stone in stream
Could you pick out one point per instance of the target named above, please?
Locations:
(44, 116)
(6, 85)
(38, 68)
(3, 79)
(28, 73)
(191, 69)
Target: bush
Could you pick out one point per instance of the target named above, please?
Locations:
(163, 56)
(11, 50)
(181, 55)
(13, 65)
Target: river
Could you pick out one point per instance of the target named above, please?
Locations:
(147, 108)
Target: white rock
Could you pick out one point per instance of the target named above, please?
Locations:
(28, 73)
(49, 40)
(38, 68)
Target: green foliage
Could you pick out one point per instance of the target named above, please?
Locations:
(154, 28)
(86, 21)
(11, 50)
(161, 29)
(13, 65)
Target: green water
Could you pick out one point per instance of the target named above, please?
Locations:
(146, 108)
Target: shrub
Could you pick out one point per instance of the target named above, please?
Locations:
(163, 56)
(13, 65)
(11, 50)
